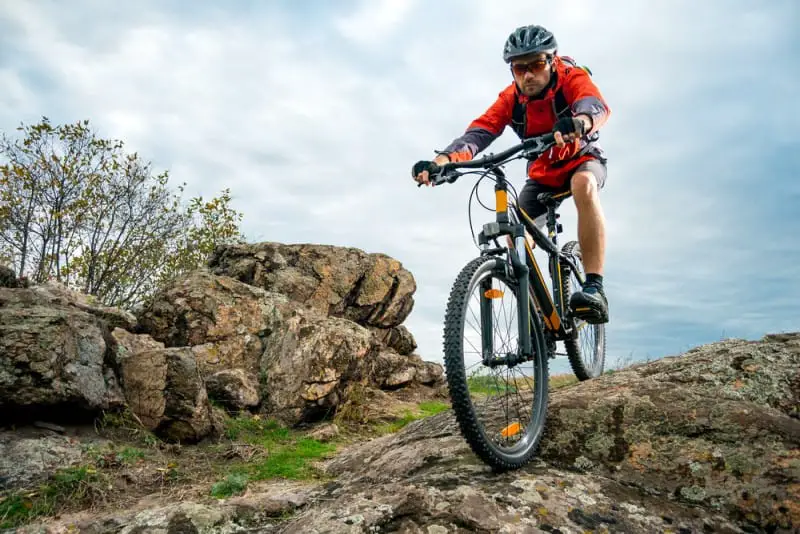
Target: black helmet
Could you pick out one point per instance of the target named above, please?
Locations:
(529, 40)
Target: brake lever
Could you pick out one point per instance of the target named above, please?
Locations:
(441, 177)
(535, 151)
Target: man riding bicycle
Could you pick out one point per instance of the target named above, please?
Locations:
(549, 93)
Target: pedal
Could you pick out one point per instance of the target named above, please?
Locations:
(590, 315)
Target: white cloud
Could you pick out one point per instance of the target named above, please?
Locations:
(314, 129)
(372, 22)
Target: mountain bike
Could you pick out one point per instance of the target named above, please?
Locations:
(485, 372)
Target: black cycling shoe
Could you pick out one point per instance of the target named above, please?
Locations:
(590, 304)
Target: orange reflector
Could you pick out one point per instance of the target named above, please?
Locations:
(493, 294)
(511, 430)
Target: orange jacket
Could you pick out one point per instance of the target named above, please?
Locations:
(554, 166)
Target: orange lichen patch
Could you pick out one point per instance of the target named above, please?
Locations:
(638, 452)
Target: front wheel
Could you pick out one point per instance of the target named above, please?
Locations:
(586, 346)
(499, 401)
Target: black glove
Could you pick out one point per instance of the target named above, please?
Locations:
(569, 125)
(424, 165)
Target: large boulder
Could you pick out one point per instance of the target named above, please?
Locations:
(704, 442)
(53, 357)
(307, 368)
(397, 338)
(235, 389)
(165, 389)
(58, 293)
(369, 289)
(224, 320)
(259, 348)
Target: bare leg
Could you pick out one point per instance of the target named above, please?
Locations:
(591, 221)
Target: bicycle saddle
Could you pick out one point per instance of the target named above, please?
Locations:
(549, 199)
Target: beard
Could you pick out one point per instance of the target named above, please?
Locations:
(533, 89)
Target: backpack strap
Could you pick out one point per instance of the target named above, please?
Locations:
(560, 105)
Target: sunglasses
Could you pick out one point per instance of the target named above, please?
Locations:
(534, 66)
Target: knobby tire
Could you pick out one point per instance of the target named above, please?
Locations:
(470, 426)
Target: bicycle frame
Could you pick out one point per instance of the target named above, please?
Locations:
(554, 309)
(526, 269)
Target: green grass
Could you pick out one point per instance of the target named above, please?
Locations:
(562, 380)
(130, 455)
(425, 409)
(72, 485)
(291, 461)
(232, 484)
(489, 385)
(288, 454)
(494, 385)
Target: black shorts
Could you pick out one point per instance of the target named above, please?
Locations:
(534, 208)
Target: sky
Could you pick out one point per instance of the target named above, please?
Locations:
(313, 112)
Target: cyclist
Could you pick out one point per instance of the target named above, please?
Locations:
(549, 93)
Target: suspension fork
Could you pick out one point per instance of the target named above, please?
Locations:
(520, 271)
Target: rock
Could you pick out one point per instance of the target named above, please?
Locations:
(307, 368)
(165, 389)
(53, 357)
(705, 442)
(49, 426)
(233, 388)
(224, 319)
(29, 458)
(389, 370)
(325, 432)
(299, 361)
(261, 512)
(58, 293)
(715, 428)
(428, 373)
(370, 289)
(128, 344)
(397, 338)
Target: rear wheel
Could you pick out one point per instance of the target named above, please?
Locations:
(586, 346)
(500, 407)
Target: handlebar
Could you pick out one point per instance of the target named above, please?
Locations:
(533, 147)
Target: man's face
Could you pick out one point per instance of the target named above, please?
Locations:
(532, 73)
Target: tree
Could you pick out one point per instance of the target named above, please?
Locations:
(79, 209)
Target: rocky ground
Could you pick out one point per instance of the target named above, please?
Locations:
(704, 442)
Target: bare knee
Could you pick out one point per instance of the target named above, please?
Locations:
(583, 186)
